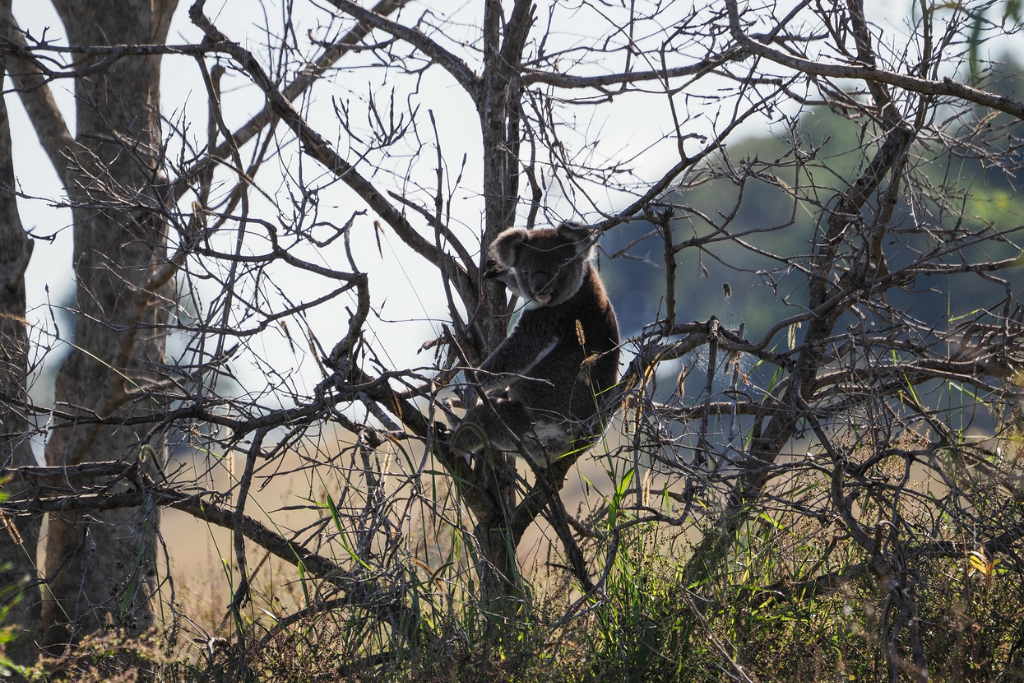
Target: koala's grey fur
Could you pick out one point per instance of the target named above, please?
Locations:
(544, 383)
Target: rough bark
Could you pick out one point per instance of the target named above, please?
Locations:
(18, 535)
(498, 99)
(102, 566)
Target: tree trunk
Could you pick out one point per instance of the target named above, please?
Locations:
(103, 564)
(18, 537)
(498, 106)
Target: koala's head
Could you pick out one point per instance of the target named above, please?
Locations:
(545, 267)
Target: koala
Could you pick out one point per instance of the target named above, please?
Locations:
(544, 383)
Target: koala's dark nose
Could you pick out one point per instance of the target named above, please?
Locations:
(539, 280)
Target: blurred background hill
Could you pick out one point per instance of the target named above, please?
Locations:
(782, 207)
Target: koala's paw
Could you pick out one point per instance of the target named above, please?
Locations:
(494, 269)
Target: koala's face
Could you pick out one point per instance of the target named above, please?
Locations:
(547, 266)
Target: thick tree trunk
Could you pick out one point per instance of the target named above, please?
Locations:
(18, 537)
(103, 565)
(498, 106)
(501, 587)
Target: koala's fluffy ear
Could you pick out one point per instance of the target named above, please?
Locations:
(580, 236)
(503, 248)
